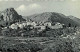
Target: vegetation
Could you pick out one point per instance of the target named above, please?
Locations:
(16, 41)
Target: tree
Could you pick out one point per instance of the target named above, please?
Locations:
(69, 25)
(47, 28)
(2, 17)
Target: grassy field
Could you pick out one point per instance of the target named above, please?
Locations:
(30, 43)
(38, 44)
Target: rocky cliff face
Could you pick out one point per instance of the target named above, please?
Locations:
(10, 15)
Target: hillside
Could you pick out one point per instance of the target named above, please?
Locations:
(74, 19)
(53, 17)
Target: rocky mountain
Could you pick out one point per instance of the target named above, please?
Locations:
(53, 17)
(10, 15)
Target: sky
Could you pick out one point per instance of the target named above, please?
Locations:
(29, 7)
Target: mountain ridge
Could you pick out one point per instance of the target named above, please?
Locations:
(53, 17)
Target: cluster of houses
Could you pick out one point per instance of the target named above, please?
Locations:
(40, 26)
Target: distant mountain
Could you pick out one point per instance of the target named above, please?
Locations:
(53, 17)
(10, 15)
(74, 19)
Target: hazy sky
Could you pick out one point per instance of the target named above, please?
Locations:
(29, 7)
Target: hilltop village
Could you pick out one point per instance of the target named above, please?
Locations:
(35, 25)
